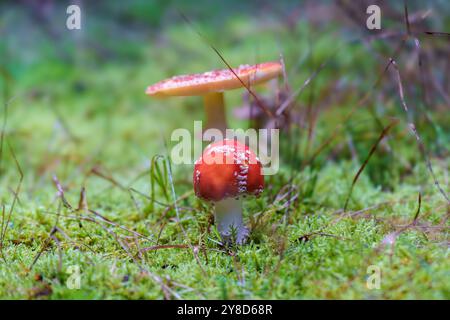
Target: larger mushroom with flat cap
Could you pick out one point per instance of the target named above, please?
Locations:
(227, 171)
(212, 85)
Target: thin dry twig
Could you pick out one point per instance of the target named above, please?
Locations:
(414, 131)
(5, 224)
(371, 152)
(246, 86)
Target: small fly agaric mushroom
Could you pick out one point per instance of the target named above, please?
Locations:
(211, 85)
(227, 171)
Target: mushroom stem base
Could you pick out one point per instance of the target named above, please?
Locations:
(228, 219)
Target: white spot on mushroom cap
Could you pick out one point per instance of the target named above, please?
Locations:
(197, 176)
(199, 160)
(189, 80)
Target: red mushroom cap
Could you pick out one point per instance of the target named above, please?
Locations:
(226, 169)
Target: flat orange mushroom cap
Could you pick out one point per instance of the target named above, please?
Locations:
(215, 81)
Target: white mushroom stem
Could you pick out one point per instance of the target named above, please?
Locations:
(228, 217)
(215, 111)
